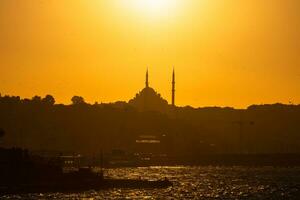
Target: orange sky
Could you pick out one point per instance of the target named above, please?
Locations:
(225, 52)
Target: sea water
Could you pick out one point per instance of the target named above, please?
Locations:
(195, 183)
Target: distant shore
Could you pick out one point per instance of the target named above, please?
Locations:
(251, 160)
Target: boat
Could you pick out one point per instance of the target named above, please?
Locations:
(22, 175)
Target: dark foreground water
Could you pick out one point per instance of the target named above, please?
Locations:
(197, 183)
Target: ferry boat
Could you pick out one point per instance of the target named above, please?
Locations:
(20, 174)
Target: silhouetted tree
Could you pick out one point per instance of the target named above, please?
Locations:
(36, 99)
(77, 100)
(49, 99)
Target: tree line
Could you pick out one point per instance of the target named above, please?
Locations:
(39, 123)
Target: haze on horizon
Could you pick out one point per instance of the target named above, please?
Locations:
(225, 52)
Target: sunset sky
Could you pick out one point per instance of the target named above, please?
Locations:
(225, 52)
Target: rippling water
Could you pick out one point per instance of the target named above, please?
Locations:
(197, 183)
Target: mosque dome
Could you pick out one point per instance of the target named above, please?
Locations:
(149, 100)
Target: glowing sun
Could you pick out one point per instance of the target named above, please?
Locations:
(154, 8)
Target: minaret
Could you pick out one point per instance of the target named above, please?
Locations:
(173, 88)
(147, 79)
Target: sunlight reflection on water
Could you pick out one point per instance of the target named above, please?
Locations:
(197, 183)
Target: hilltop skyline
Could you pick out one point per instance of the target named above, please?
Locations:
(167, 97)
(226, 53)
(146, 99)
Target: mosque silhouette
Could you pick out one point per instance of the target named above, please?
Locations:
(150, 100)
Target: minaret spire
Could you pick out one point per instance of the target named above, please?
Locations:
(147, 79)
(173, 88)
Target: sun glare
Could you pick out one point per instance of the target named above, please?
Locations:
(154, 8)
(153, 5)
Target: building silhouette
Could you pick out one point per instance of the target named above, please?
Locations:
(150, 100)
